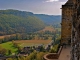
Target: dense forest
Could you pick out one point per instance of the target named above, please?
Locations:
(14, 21)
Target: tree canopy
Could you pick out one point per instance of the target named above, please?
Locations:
(14, 21)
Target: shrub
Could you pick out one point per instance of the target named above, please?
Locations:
(54, 49)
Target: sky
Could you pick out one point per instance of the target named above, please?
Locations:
(50, 7)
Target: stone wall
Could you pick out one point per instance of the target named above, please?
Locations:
(53, 56)
(76, 31)
(66, 24)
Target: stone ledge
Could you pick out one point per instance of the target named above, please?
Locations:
(53, 56)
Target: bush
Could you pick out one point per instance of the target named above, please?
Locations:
(54, 49)
(40, 55)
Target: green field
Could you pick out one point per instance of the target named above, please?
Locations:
(9, 46)
(22, 43)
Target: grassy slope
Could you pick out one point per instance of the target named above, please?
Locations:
(9, 46)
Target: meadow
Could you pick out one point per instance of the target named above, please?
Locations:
(9, 46)
(32, 42)
(23, 43)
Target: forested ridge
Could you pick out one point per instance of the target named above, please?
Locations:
(50, 19)
(14, 21)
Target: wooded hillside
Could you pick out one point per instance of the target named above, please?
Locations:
(14, 21)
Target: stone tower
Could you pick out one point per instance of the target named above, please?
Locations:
(71, 26)
(66, 24)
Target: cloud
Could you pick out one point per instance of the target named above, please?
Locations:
(51, 0)
(62, 3)
(63, 0)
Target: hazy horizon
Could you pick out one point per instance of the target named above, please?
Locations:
(49, 7)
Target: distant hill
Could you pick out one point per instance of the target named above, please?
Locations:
(50, 19)
(14, 21)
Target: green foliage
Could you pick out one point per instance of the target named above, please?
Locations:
(2, 50)
(40, 55)
(54, 49)
(12, 59)
(9, 52)
(9, 46)
(32, 56)
(14, 21)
